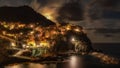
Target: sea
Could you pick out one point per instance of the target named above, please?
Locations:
(112, 49)
(75, 61)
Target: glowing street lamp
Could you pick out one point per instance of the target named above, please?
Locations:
(13, 44)
(32, 32)
(31, 26)
(68, 28)
(77, 30)
(24, 46)
(73, 39)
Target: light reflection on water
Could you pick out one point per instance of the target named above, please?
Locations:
(32, 65)
(74, 62)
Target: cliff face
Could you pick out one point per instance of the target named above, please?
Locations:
(23, 14)
(27, 15)
(48, 41)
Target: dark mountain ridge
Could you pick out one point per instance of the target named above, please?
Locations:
(23, 14)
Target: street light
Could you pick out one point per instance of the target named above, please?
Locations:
(73, 39)
(13, 44)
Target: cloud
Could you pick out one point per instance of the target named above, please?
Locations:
(109, 3)
(70, 11)
(14, 2)
(48, 8)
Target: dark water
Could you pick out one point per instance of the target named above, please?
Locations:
(76, 61)
(112, 49)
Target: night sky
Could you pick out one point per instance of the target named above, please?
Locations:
(109, 20)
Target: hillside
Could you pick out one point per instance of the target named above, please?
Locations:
(23, 14)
